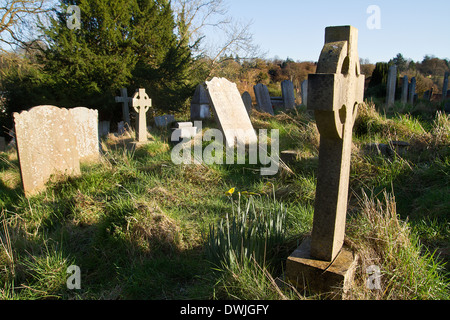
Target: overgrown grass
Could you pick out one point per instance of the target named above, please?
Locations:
(408, 270)
(137, 225)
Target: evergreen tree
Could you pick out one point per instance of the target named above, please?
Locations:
(120, 43)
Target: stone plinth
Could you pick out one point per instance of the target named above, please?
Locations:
(332, 279)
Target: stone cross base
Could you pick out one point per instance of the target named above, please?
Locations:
(333, 280)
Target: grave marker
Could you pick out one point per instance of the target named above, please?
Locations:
(46, 145)
(104, 128)
(334, 93)
(263, 98)
(125, 100)
(405, 87)
(247, 99)
(200, 104)
(287, 89)
(164, 121)
(412, 91)
(85, 127)
(445, 87)
(391, 85)
(141, 104)
(230, 112)
(305, 93)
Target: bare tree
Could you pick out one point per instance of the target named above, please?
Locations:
(15, 19)
(197, 19)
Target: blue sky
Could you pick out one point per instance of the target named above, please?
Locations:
(295, 28)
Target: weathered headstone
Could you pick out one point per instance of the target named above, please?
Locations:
(391, 85)
(230, 113)
(334, 93)
(141, 104)
(46, 145)
(445, 87)
(125, 100)
(200, 104)
(405, 87)
(85, 128)
(263, 98)
(2, 144)
(104, 128)
(287, 89)
(305, 93)
(412, 91)
(164, 121)
(247, 99)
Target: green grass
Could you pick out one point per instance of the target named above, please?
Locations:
(138, 226)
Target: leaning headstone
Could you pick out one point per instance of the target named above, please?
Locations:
(247, 99)
(125, 100)
(287, 89)
(86, 132)
(305, 93)
(141, 104)
(164, 121)
(200, 104)
(2, 144)
(445, 87)
(230, 113)
(46, 145)
(391, 85)
(405, 87)
(334, 94)
(412, 91)
(263, 98)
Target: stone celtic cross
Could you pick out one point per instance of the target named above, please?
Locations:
(334, 93)
(141, 104)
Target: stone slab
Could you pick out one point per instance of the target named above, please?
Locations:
(391, 85)
(247, 99)
(263, 98)
(287, 88)
(184, 124)
(332, 279)
(104, 128)
(230, 112)
(305, 93)
(85, 127)
(46, 146)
